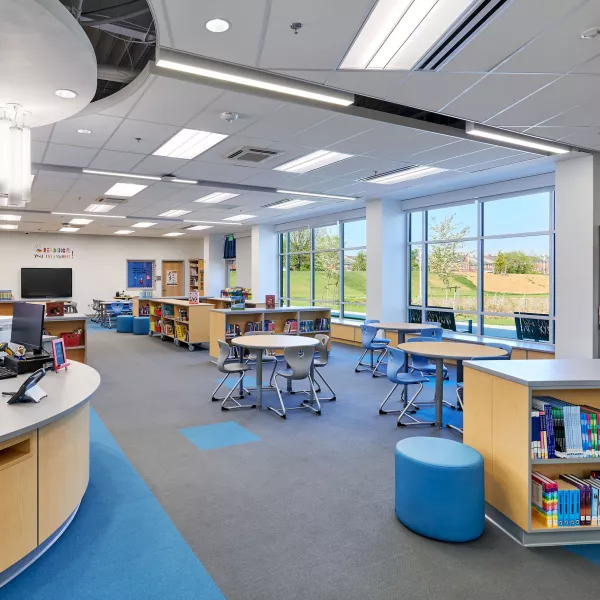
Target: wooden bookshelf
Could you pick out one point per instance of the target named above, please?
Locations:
(497, 422)
(221, 318)
(196, 275)
(179, 321)
(67, 324)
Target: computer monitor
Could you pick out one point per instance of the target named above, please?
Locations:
(28, 325)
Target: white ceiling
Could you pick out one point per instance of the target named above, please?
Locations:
(528, 70)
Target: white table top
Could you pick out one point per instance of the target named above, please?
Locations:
(66, 391)
(273, 342)
(451, 350)
(120, 301)
(406, 327)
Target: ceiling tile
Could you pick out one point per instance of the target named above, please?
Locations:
(587, 113)
(268, 178)
(213, 172)
(55, 182)
(376, 138)
(333, 130)
(158, 165)
(458, 148)
(101, 126)
(110, 160)
(37, 151)
(404, 149)
(41, 134)
(71, 156)
(151, 136)
(477, 158)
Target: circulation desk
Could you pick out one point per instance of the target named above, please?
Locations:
(44, 464)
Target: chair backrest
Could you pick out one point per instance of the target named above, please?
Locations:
(299, 359)
(370, 321)
(253, 353)
(322, 348)
(432, 333)
(419, 360)
(224, 351)
(395, 362)
(116, 307)
(368, 334)
(436, 323)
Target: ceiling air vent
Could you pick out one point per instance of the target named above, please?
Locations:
(394, 172)
(252, 155)
(111, 200)
(461, 34)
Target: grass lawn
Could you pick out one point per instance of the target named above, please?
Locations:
(355, 286)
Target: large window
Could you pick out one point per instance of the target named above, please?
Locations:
(325, 266)
(485, 267)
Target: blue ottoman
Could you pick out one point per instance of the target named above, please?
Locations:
(141, 325)
(124, 324)
(440, 489)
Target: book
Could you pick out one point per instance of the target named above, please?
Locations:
(544, 499)
(270, 301)
(572, 499)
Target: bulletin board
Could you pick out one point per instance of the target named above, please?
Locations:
(140, 274)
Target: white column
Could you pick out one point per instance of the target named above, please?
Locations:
(264, 262)
(214, 265)
(576, 258)
(386, 261)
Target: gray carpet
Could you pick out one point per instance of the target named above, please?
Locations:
(307, 512)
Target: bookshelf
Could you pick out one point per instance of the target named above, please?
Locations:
(225, 324)
(497, 422)
(178, 320)
(196, 275)
(68, 324)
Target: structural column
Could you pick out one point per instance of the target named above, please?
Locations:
(387, 276)
(264, 257)
(576, 257)
(214, 265)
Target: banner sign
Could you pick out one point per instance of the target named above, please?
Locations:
(52, 252)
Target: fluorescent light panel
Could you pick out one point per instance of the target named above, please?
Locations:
(173, 234)
(175, 213)
(120, 174)
(189, 143)
(499, 135)
(9, 226)
(125, 190)
(199, 227)
(80, 221)
(123, 232)
(216, 197)
(177, 180)
(67, 214)
(4, 217)
(240, 218)
(398, 33)
(210, 222)
(292, 204)
(415, 173)
(69, 229)
(99, 208)
(314, 195)
(310, 162)
(144, 224)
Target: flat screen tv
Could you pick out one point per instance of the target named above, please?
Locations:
(46, 283)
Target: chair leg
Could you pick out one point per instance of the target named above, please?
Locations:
(331, 398)
(459, 406)
(230, 398)
(360, 365)
(382, 355)
(214, 394)
(407, 409)
(385, 412)
(282, 412)
(314, 400)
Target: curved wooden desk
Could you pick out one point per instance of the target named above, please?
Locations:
(44, 464)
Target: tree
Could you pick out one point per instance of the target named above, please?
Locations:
(415, 259)
(443, 257)
(360, 261)
(500, 264)
(300, 242)
(519, 262)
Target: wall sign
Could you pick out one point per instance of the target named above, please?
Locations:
(140, 274)
(53, 252)
(171, 277)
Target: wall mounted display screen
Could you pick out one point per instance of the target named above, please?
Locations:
(46, 283)
(140, 274)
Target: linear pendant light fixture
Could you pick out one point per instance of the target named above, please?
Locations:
(245, 77)
(315, 195)
(514, 139)
(398, 33)
(312, 161)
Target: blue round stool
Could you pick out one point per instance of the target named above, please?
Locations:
(440, 489)
(141, 325)
(124, 324)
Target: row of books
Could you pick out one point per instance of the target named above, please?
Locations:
(268, 325)
(232, 330)
(182, 333)
(307, 326)
(570, 501)
(5, 294)
(144, 310)
(322, 324)
(253, 326)
(291, 326)
(168, 311)
(183, 314)
(560, 429)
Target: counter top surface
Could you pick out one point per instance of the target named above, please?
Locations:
(184, 303)
(66, 391)
(258, 311)
(543, 373)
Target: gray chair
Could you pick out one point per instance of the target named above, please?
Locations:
(299, 362)
(321, 361)
(230, 368)
(266, 358)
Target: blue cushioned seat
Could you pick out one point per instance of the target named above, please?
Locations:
(141, 325)
(124, 324)
(440, 489)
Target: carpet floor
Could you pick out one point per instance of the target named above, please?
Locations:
(295, 509)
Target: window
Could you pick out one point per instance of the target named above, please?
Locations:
(485, 267)
(325, 266)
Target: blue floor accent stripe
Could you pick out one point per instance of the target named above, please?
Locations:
(121, 546)
(218, 435)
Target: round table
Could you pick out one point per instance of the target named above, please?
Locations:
(438, 351)
(402, 328)
(270, 342)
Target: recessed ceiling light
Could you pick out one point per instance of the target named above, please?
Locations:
(173, 234)
(210, 222)
(119, 174)
(199, 227)
(123, 232)
(69, 229)
(310, 162)
(81, 221)
(84, 131)
(99, 208)
(189, 143)
(144, 224)
(217, 25)
(67, 214)
(216, 197)
(4, 217)
(523, 141)
(68, 94)
(315, 195)
(240, 218)
(405, 175)
(9, 227)
(286, 204)
(125, 190)
(243, 76)
(175, 213)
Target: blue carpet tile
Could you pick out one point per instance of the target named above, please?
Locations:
(218, 435)
(121, 545)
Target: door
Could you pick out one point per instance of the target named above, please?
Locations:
(172, 278)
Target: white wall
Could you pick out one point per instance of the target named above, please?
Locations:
(243, 261)
(98, 263)
(265, 261)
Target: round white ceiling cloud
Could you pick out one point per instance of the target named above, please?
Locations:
(44, 49)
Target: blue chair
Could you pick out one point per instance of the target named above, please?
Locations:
(422, 364)
(377, 340)
(433, 334)
(114, 310)
(395, 373)
(141, 325)
(125, 324)
(368, 334)
(423, 467)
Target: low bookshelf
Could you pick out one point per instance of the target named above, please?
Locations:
(179, 321)
(225, 324)
(499, 399)
(196, 275)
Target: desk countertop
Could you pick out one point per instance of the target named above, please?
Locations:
(258, 311)
(544, 374)
(66, 391)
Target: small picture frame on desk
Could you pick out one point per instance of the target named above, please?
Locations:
(60, 355)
